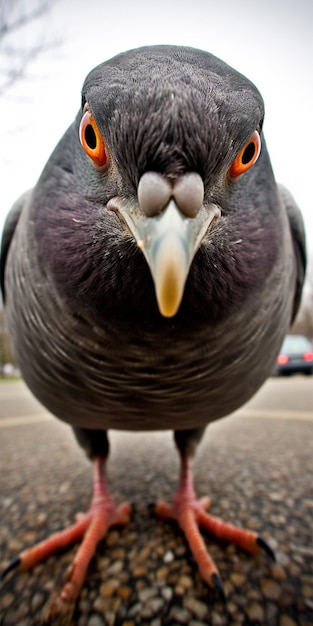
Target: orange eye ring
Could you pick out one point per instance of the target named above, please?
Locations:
(246, 157)
(92, 141)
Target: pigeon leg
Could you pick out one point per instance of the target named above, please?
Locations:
(90, 529)
(190, 513)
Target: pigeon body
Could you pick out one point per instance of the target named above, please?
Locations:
(81, 304)
(115, 326)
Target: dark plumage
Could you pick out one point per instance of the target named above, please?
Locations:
(113, 330)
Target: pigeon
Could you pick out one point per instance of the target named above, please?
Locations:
(150, 276)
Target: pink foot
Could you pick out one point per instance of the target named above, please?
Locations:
(190, 513)
(90, 528)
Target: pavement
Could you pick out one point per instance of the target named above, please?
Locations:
(257, 469)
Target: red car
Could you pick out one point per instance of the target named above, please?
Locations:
(296, 355)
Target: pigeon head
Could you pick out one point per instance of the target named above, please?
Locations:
(158, 189)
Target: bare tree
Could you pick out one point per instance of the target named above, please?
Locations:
(20, 38)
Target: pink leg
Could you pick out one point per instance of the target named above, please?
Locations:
(190, 513)
(90, 529)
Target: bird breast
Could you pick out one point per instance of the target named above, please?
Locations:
(172, 376)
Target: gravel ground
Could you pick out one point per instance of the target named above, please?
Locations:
(258, 473)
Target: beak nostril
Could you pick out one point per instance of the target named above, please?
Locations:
(188, 193)
(154, 193)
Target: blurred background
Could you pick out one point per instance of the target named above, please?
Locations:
(48, 46)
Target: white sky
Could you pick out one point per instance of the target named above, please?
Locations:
(268, 40)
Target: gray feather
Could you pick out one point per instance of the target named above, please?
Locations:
(80, 303)
(298, 239)
(8, 233)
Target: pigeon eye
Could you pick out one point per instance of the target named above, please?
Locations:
(246, 157)
(92, 141)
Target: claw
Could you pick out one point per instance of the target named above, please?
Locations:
(265, 546)
(218, 585)
(14, 563)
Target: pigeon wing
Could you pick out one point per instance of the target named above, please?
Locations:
(298, 238)
(8, 232)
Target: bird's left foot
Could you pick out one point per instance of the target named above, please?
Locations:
(190, 513)
(90, 528)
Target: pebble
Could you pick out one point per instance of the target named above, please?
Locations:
(180, 550)
(96, 620)
(112, 538)
(162, 573)
(116, 568)
(112, 604)
(152, 607)
(40, 521)
(254, 595)
(282, 558)
(168, 557)
(306, 578)
(7, 600)
(143, 555)
(278, 572)
(14, 545)
(307, 591)
(218, 619)
(255, 612)
(185, 581)
(231, 606)
(139, 572)
(172, 579)
(237, 579)
(107, 589)
(182, 616)
(98, 604)
(37, 601)
(124, 577)
(20, 613)
(104, 563)
(240, 600)
(270, 589)
(124, 592)
(167, 593)
(84, 605)
(285, 620)
(287, 596)
(147, 593)
(109, 618)
(275, 496)
(118, 554)
(6, 502)
(271, 611)
(134, 610)
(196, 607)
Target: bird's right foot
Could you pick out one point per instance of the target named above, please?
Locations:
(90, 529)
(191, 515)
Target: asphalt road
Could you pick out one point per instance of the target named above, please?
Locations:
(257, 468)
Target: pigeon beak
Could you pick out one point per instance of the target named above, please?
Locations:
(168, 251)
(169, 242)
